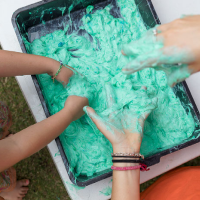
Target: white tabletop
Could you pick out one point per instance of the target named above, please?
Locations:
(167, 11)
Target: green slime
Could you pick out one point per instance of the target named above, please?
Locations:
(101, 61)
(106, 191)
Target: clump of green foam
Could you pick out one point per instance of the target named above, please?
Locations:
(101, 62)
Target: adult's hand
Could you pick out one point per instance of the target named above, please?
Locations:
(176, 44)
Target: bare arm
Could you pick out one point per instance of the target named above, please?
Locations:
(126, 184)
(32, 139)
(15, 64)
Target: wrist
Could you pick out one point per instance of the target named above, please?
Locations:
(127, 149)
(68, 112)
(53, 67)
(73, 114)
(125, 164)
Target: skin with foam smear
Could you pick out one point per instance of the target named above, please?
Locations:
(101, 62)
(149, 51)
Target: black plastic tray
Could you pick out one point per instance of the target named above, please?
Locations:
(30, 16)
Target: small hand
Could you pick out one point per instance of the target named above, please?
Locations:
(80, 93)
(124, 128)
(78, 85)
(175, 42)
(74, 105)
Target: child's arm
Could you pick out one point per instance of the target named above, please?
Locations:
(32, 139)
(14, 64)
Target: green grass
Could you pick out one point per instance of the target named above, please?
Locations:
(45, 182)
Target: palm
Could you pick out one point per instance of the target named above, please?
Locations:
(125, 127)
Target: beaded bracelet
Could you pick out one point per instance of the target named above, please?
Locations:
(61, 65)
(142, 168)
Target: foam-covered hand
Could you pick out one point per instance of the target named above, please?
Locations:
(74, 105)
(79, 92)
(176, 44)
(78, 85)
(124, 127)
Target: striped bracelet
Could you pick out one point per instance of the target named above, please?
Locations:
(128, 155)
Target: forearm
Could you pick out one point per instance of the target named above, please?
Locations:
(126, 184)
(14, 64)
(32, 139)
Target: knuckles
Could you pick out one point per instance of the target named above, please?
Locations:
(178, 22)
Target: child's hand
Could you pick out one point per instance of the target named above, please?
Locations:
(124, 128)
(75, 83)
(80, 93)
(78, 85)
(175, 43)
(64, 75)
(74, 105)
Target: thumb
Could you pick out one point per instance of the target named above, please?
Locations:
(98, 121)
(107, 129)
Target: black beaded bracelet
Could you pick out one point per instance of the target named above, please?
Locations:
(126, 161)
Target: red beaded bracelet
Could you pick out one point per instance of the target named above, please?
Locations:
(142, 167)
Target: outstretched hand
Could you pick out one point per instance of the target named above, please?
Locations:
(124, 128)
(176, 44)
